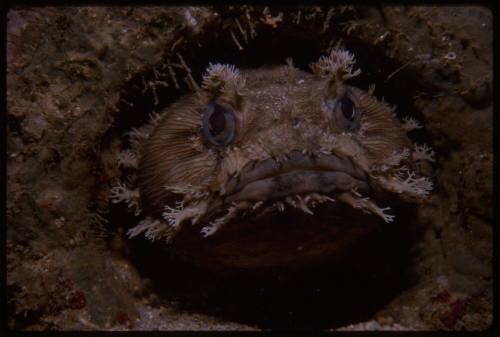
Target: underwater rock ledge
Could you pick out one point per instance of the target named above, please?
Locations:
(78, 78)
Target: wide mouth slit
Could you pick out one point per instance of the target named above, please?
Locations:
(297, 179)
(293, 163)
(297, 183)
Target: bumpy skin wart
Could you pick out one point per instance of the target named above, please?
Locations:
(270, 147)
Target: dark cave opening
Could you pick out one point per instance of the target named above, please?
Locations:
(341, 291)
(346, 289)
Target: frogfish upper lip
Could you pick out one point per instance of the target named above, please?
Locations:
(299, 173)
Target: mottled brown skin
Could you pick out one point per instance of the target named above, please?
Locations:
(288, 141)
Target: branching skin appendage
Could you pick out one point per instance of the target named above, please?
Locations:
(252, 148)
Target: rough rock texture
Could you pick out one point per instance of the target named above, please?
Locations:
(78, 78)
(454, 257)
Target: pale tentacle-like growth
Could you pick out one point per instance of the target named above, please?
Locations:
(138, 135)
(175, 216)
(122, 193)
(222, 78)
(178, 214)
(189, 192)
(396, 158)
(232, 212)
(338, 64)
(280, 206)
(302, 205)
(127, 158)
(316, 198)
(371, 89)
(393, 160)
(299, 203)
(405, 182)
(423, 152)
(410, 123)
(366, 205)
(153, 229)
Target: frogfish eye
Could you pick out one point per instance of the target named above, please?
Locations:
(348, 109)
(218, 125)
(346, 114)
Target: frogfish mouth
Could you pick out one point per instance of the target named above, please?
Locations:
(270, 166)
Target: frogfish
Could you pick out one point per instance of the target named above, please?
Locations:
(270, 166)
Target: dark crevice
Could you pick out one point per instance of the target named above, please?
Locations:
(338, 292)
(342, 290)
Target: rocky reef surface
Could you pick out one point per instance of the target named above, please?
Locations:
(79, 78)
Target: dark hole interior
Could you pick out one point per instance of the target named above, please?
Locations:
(341, 291)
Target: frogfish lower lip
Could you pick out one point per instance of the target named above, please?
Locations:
(298, 173)
(297, 182)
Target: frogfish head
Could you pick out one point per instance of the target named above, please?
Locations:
(259, 162)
